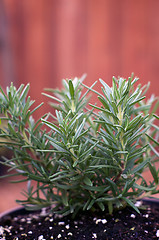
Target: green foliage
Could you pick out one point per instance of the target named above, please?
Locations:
(85, 159)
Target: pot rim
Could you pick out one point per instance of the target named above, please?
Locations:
(21, 210)
(13, 211)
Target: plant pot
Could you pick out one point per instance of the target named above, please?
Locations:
(124, 224)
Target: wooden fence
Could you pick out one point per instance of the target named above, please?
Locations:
(43, 41)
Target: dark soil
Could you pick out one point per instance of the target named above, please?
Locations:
(124, 224)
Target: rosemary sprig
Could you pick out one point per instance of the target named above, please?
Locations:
(89, 156)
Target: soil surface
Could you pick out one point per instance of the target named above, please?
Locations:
(124, 224)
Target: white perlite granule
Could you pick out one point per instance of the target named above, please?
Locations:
(94, 235)
(67, 226)
(1, 230)
(138, 203)
(104, 221)
(40, 237)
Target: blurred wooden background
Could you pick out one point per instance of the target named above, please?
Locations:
(43, 41)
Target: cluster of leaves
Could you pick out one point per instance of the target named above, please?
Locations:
(89, 158)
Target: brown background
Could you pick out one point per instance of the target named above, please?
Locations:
(43, 41)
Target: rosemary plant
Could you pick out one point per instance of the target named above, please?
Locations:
(83, 157)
